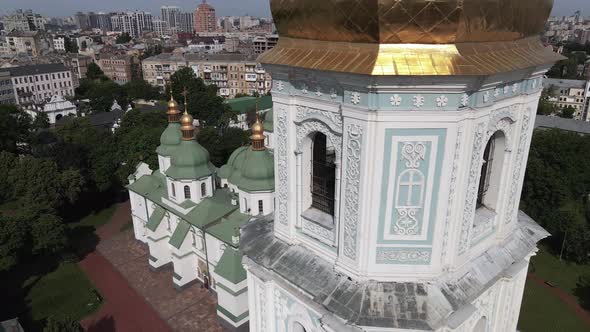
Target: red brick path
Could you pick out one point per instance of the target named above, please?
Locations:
(566, 298)
(137, 299)
(123, 309)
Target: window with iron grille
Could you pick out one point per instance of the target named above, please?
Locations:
(260, 206)
(187, 192)
(323, 175)
(203, 190)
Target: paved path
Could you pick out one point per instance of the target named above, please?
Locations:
(123, 308)
(566, 298)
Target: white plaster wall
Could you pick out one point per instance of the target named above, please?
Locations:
(186, 267)
(249, 202)
(164, 163)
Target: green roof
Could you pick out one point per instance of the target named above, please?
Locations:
(155, 219)
(244, 104)
(179, 234)
(257, 172)
(211, 209)
(170, 139)
(190, 161)
(150, 186)
(230, 266)
(226, 229)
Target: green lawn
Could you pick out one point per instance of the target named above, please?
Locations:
(563, 274)
(542, 311)
(64, 291)
(96, 219)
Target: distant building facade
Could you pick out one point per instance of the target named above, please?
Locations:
(37, 83)
(24, 20)
(133, 23)
(6, 90)
(265, 43)
(205, 18)
(33, 43)
(572, 93)
(55, 109)
(117, 67)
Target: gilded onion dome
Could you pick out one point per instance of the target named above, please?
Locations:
(171, 136)
(257, 138)
(410, 37)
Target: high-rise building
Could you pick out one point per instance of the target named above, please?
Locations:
(171, 15)
(161, 28)
(205, 18)
(82, 20)
(133, 23)
(186, 22)
(24, 20)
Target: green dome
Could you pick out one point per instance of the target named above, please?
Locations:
(225, 171)
(268, 121)
(236, 164)
(190, 161)
(170, 139)
(257, 172)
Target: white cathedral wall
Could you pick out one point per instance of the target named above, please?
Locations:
(138, 216)
(164, 163)
(249, 202)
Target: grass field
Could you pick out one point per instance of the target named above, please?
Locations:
(542, 311)
(64, 291)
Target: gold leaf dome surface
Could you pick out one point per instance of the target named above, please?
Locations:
(410, 21)
(186, 121)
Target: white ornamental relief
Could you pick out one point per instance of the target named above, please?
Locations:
(395, 100)
(333, 93)
(502, 120)
(497, 92)
(413, 153)
(486, 97)
(403, 256)
(355, 98)
(515, 87)
(332, 119)
(318, 92)
(281, 155)
(304, 89)
(262, 301)
(419, 101)
(506, 89)
(406, 223)
(280, 85)
(351, 189)
(308, 127)
(452, 189)
(471, 197)
(442, 101)
(517, 171)
(281, 309)
(534, 84)
(465, 100)
(318, 231)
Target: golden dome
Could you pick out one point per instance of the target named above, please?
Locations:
(410, 21)
(172, 104)
(410, 37)
(186, 121)
(257, 136)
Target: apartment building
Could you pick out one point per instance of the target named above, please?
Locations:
(231, 73)
(117, 67)
(36, 83)
(6, 91)
(31, 43)
(24, 20)
(265, 43)
(574, 93)
(205, 18)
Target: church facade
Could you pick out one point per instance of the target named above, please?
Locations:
(400, 146)
(188, 212)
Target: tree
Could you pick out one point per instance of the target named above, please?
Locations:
(8, 162)
(62, 324)
(48, 234)
(41, 121)
(123, 38)
(15, 128)
(93, 72)
(203, 102)
(220, 147)
(545, 106)
(141, 89)
(13, 242)
(102, 94)
(70, 46)
(568, 112)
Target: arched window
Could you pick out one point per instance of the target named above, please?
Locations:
(297, 327)
(260, 206)
(491, 171)
(173, 190)
(323, 175)
(187, 192)
(203, 189)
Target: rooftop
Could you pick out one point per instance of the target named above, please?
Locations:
(245, 104)
(37, 69)
(563, 83)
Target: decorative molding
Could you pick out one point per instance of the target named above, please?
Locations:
(403, 255)
(452, 188)
(282, 166)
(318, 92)
(442, 101)
(308, 127)
(413, 152)
(304, 89)
(332, 119)
(280, 303)
(486, 97)
(502, 120)
(319, 232)
(351, 190)
(355, 98)
(465, 100)
(419, 101)
(280, 85)
(333, 93)
(472, 184)
(516, 171)
(262, 301)
(396, 100)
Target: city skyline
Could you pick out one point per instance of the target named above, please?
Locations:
(258, 8)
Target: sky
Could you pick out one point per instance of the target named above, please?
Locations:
(223, 7)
